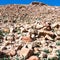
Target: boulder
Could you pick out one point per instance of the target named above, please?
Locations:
(26, 39)
(26, 52)
(33, 58)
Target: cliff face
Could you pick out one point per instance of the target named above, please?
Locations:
(32, 11)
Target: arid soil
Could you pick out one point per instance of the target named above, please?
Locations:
(30, 32)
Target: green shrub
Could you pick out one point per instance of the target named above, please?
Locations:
(46, 51)
(1, 33)
(58, 54)
(58, 43)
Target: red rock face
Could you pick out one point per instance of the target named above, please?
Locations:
(33, 58)
(26, 39)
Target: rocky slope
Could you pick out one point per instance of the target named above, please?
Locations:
(30, 32)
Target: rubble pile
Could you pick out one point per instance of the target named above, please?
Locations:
(30, 32)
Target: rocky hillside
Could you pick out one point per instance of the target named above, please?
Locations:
(30, 32)
(33, 11)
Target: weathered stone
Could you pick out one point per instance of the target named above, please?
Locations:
(7, 43)
(50, 49)
(58, 33)
(57, 38)
(6, 30)
(35, 3)
(56, 24)
(46, 32)
(26, 39)
(33, 58)
(48, 37)
(9, 38)
(26, 52)
(39, 26)
(12, 52)
(9, 52)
